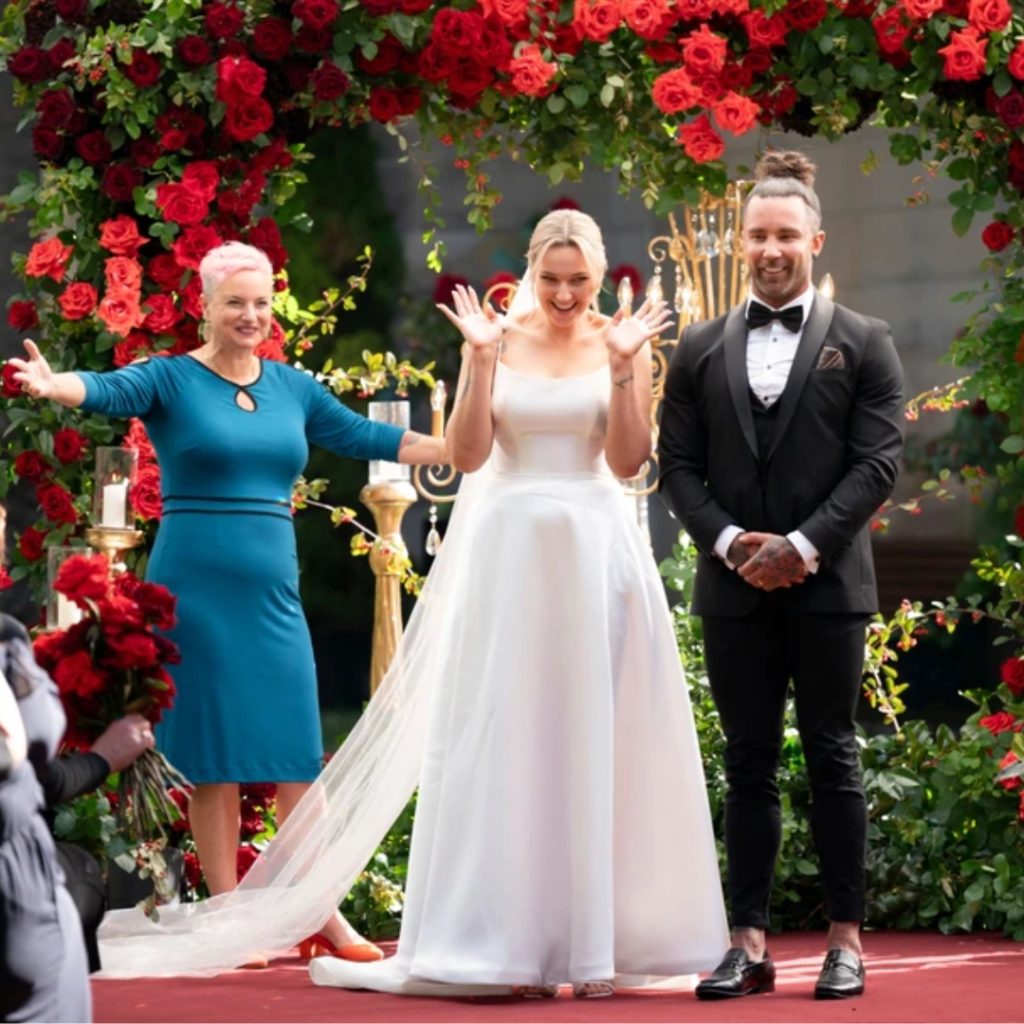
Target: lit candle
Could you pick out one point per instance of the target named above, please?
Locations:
(114, 507)
(68, 613)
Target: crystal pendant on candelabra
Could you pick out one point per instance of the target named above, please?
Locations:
(624, 294)
(655, 292)
(433, 542)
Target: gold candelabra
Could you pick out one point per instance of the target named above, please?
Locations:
(113, 541)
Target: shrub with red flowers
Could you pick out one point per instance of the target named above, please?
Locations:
(111, 663)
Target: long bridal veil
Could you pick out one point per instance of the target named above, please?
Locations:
(320, 851)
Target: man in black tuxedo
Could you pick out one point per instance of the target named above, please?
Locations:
(780, 437)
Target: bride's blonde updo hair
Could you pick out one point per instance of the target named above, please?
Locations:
(568, 227)
(227, 259)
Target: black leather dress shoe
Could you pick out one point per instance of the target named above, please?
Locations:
(738, 975)
(842, 975)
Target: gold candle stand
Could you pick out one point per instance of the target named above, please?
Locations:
(388, 502)
(112, 541)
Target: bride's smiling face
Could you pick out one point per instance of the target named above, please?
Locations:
(564, 284)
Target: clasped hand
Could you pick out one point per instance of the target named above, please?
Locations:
(481, 326)
(767, 561)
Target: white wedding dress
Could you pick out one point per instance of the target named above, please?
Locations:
(562, 831)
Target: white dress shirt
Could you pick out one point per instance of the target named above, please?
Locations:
(771, 350)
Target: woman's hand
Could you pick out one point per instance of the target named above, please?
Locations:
(625, 336)
(34, 374)
(481, 327)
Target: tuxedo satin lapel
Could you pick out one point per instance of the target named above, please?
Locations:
(813, 337)
(735, 346)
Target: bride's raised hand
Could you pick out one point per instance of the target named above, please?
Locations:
(625, 335)
(33, 374)
(480, 325)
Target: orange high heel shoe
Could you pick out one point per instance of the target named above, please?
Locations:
(358, 952)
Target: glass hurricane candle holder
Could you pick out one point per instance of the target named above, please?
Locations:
(60, 611)
(388, 412)
(114, 475)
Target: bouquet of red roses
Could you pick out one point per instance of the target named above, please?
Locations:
(111, 663)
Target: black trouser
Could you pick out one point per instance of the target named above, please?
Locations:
(750, 662)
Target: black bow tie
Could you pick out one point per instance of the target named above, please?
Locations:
(758, 314)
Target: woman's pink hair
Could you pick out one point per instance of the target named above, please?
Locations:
(227, 259)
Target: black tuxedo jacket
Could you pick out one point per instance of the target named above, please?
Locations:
(832, 463)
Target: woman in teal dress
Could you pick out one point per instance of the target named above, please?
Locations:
(231, 432)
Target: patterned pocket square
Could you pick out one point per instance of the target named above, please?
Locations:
(831, 359)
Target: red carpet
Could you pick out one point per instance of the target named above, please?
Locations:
(912, 976)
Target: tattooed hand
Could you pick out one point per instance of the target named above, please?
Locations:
(740, 552)
(776, 564)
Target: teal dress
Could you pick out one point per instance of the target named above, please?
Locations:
(246, 708)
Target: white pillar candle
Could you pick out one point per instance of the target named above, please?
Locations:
(68, 613)
(114, 508)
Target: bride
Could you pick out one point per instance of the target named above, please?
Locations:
(562, 830)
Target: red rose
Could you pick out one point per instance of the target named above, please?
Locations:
(122, 273)
(93, 147)
(31, 465)
(803, 15)
(390, 55)
(223, 20)
(120, 235)
(157, 604)
(30, 65)
(674, 91)
(136, 344)
(47, 143)
(75, 674)
(194, 51)
(1012, 673)
(180, 204)
(120, 181)
(312, 40)
(965, 55)
(244, 859)
(1008, 761)
(384, 104)
(989, 15)
(202, 177)
(120, 312)
(532, 75)
(444, 287)
(239, 78)
(22, 315)
(467, 82)
(317, 14)
(458, 33)
(9, 387)
(69, 445)
(596, 19)
(32, 544)
(165, 268)
(1000, 722)
(78, 300)
(763, 30)
(513, 14)
(272, 348)
(129, 649)
(72, 11)
(921, 10)
(83, 577)
(1015, 63)
(891, 30)
(1018, 521)
(161, 314)
(1010, 109)
(703, 51)
(191, 298)
(736, 113)
(189, 248)
(144, 494)
(329, 82)
(55, 108)
(192, 868)
(700, 141)
(144, 152)
(649, 19)
(144, 69)
(997, 235)
(272, 39)
(248, 117)
(5, 578)
(57, 504)
(48, 259)
(60, 53)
